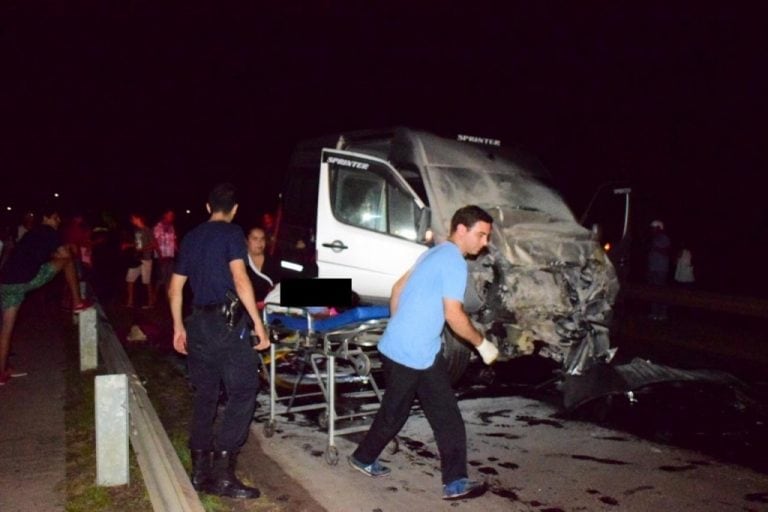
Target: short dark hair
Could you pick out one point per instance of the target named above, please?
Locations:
(254, 228)
(49, 210)
(222, 198)
(468, 216)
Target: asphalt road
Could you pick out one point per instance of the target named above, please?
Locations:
(32, 431)
(670, 447)
(531, 459)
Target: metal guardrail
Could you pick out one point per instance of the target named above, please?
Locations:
(166, 480)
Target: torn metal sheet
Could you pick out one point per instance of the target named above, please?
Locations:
(604, 380)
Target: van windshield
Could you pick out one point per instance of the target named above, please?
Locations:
(511, 190)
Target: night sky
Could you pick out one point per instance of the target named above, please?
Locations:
(128, 105)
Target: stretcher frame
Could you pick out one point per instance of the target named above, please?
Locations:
(344, 342)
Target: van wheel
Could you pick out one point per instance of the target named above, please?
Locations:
(456, 353)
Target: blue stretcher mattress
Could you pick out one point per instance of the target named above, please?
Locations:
(327, 324)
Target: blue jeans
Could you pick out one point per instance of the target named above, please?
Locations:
(218, 353)
(433, 387)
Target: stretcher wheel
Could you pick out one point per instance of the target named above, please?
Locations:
(269, 428)
(332, 455)
(362, 364)
(393, 447)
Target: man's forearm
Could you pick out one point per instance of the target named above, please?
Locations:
(397, 289)
(175, 300)
(462, 326)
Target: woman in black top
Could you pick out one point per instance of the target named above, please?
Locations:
(263, 270)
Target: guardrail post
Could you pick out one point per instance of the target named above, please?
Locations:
(89, 354)
(166, 480)
(111, 429)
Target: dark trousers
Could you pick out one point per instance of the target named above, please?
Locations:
(219, 353)
(659, 279)
(433, 387)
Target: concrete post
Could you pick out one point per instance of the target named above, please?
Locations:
(111, 429)
(89, 354)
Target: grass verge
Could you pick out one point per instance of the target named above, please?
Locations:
(170, 397)
(163, 374)
(82, 493)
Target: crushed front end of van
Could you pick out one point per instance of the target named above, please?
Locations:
(544, 286)
(549, 289)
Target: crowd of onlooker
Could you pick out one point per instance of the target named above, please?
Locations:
(106, 254)
(113, 254)
(132, 260)
(129, 262)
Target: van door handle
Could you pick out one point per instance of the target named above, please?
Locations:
(336, 246)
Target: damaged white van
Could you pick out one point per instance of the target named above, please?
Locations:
(363, 205)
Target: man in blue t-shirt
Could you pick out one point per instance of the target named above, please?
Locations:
(35, 261)
(427, 297)
(218, 345)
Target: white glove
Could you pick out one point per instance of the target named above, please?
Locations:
(488, 351)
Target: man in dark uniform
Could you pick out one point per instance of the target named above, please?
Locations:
(212, 257)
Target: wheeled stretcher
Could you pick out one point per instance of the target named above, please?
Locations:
(322, 341)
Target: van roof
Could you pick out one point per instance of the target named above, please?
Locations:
(405, 147)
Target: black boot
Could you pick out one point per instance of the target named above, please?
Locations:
(224, 482)
(201, 468)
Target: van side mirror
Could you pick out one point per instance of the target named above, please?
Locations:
(424, 233)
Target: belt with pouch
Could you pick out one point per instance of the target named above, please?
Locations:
(208, 308)
(232, 310)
